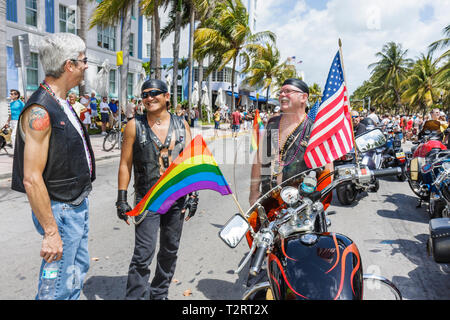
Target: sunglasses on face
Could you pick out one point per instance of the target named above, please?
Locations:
(151, 93)
(85, 60)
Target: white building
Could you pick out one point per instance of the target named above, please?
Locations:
(38, 18)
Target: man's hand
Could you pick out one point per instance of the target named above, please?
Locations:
(122, 206)
(52, 247)
(191, 203)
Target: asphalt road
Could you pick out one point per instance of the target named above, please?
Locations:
(388, 229)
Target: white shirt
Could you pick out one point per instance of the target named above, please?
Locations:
(104, 107)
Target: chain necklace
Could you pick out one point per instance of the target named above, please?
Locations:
(282, 150)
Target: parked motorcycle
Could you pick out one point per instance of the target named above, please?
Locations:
(370, 159)
(288, 229)
(393, 154)
(420, 171)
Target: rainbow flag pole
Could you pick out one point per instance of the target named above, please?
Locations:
(257, 127)
(194, 169)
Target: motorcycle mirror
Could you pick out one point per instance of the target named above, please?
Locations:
(234, 230)
(370, 140)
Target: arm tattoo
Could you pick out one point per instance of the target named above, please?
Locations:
(39, 119)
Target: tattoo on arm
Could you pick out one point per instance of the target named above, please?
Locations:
(39, 119)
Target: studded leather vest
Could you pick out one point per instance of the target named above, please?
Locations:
(147, 152)
(292, 159)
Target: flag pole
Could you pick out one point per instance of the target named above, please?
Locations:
(345, 82)
(238, 205)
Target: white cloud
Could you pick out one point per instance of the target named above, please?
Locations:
(364, 27)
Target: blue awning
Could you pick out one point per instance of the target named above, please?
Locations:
(260, 99)
(236, 95)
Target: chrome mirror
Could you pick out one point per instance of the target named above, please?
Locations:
(234, 230)
(370, 140)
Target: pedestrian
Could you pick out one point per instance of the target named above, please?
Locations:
(235, 123)
(144, 150)
(72, 100)
(104, 114)
(85, 113)
(216, 122)
(358, 127)
(283, 161)
(54, 163)
(131, 109)
(15, 108)
(372, 115)
(94, 112)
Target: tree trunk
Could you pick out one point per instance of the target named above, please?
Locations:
(3, 84)
(157, 25)
(82, 32)
(191, 58)
(176, 51)
(233, 76)
(200, 80)
(153, 51)
(125, 44)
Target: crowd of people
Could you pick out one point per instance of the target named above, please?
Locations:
(408, 126)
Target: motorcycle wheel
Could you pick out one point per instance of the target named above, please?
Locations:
(415, 187)
(375, 187)
(435, 207)
(346, 194)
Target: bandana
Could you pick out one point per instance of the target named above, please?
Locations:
(154, 83)
(297, 83)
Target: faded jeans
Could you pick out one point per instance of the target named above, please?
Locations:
(73, 227)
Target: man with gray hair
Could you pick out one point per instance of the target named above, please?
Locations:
(54, 163)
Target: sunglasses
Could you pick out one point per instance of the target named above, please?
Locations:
(152, 93)
(85, 60)
(355, 117)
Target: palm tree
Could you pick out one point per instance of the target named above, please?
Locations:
(108, 13)
(82, 31)
(151, 8)
(423, 90)
(442, 44)
(3, 103)
(225, 35)
(315, 93)
(391, 69)
(264, 68)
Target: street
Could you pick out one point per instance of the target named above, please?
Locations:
(389, 230)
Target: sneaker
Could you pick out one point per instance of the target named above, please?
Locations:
(103, 133)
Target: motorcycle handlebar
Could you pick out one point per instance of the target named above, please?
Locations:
(258, 260)
(387, 172)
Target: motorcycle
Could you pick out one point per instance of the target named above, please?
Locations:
(370, 159)
(420, 160)
(393, 155)
(288, 229)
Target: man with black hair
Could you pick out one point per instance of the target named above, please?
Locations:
(151, 142)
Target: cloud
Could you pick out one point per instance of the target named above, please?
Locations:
(364, 27)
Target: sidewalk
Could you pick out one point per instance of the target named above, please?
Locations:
(6, 156)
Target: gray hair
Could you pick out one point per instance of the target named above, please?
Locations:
(56, 49)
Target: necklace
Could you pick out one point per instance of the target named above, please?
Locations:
(158, 121)
(282, 150)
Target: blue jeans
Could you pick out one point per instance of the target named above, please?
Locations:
(73, 227)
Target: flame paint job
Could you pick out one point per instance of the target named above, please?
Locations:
(329, 269)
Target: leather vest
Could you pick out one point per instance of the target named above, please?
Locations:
(66, 174)
(146, 154)
(293, 157)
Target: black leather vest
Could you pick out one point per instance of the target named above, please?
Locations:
(293, 156)
(66, 174)
(146, 155)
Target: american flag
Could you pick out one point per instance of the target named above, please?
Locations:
(331, 135)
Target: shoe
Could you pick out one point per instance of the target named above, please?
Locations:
(103, 133)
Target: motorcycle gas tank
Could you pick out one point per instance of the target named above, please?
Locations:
(425, 148)
(329, 268)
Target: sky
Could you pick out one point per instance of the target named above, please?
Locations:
(310, 29)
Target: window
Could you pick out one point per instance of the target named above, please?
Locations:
(149, 50)
(31, 12)
(130, 78)
(131, 44)
(11, 10)
(149, 25)
(112, 82)
(32, 72)
(67, 22)
(106, 37)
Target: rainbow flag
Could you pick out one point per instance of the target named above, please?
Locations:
(257, 127)
(194, 169)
